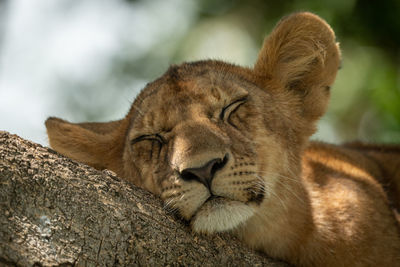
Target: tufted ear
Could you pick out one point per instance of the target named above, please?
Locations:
(99, 145)
(301, 54)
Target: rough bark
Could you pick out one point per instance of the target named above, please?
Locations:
(55, 211)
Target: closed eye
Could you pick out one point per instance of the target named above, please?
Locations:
(229, 109)
(151, 137)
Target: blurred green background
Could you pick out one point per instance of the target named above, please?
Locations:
(365, 103)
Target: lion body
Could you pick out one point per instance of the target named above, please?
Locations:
(227, 148)
(343, 216)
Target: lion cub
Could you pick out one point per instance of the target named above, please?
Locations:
(228, 149)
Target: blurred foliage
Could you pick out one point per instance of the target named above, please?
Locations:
(366, 96)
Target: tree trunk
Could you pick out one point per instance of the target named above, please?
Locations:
(55, 211)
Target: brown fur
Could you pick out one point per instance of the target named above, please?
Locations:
(227, 148)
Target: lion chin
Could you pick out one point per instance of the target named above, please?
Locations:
(220, 215)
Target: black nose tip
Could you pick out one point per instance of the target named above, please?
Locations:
(205, 173)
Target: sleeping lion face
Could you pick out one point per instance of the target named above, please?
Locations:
(199, 139)
(219, 142)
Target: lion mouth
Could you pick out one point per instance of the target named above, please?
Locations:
(219, 214)
(213, 199)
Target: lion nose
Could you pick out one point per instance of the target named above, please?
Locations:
(205, 173)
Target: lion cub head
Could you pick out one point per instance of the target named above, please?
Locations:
(213, 139)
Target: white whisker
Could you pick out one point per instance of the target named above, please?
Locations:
(268, 191)
(290, 190)
(169, 206)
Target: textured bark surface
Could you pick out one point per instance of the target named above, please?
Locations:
(55, 211)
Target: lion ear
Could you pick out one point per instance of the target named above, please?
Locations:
(302, 55)
(99, 145)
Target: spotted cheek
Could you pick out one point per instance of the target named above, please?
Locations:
(248, 190)
(238, 181)
(184, 198)
(232, 189)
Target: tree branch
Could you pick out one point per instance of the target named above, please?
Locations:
(59, 212)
